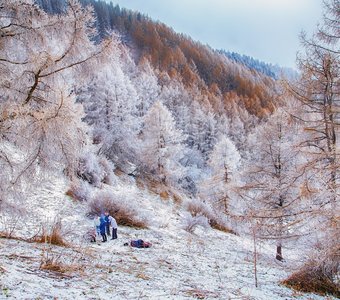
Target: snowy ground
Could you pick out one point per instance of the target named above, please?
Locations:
(205, 265)
(213, 266)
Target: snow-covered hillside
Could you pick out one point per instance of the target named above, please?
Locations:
(222, 168)
(207, 264)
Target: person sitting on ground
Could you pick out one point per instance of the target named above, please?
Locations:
(107, 222)
(90, 235)
(114, 226)
(102, 228)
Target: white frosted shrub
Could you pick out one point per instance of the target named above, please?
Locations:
(108, 167)
(216, 219)
(190, 223)
(90, 169)
(79, 190)
(96, 170)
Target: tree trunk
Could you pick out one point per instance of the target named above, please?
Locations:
(279, 252)
(255, 254)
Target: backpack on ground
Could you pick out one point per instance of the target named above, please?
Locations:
(140, 244)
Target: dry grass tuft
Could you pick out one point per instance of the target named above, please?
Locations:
(164, 195)
(306, 280)
(78, 191)
(201, 294)
(319, 275)
(4, 235)
(118, 172)
(58, 267)
(221, 227)
(143, 276)
(158, 188)
(177, 199)
(52, 266)
(126, 218)
(71, 193)
(54, 237)
(124, 213)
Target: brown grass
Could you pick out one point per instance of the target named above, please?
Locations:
(58, 267)
(221, 227)
(52, 266)
(4, 235)
(70, 192)
(50, 239)
(140, 184)
(148, 182)
(195, 208)
(143, 276)
(118, 172)
(2, 270)
(164, 195)
(121, 211)
(54, 237)
(126, 219)
(201, 294)
(312, 280)
(165, 192)
(155, 187)
(76, 193)
(177, 199)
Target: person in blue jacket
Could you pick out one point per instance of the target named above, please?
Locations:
(102, 228)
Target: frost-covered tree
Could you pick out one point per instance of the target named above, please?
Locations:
(39, 56)
(223, 162)
(161, 144)
(175, 96)
(318, 93)
(202, 131)
(146, 85)
(110, 106)
(271, 179)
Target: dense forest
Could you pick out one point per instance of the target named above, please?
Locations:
(189, 61)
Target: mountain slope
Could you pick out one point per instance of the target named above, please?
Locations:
(193, 63)
(205, 265)
(176, 141)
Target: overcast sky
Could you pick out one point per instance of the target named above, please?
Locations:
(264, 29)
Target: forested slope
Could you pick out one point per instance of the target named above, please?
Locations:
(193, 63)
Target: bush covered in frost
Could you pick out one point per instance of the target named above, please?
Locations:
(95, 170)
(189, 222)
(79, 190)
(215, 219)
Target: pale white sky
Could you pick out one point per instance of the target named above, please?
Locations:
(264, 29)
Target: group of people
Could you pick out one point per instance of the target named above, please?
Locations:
(106, 225)
(103, 224)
